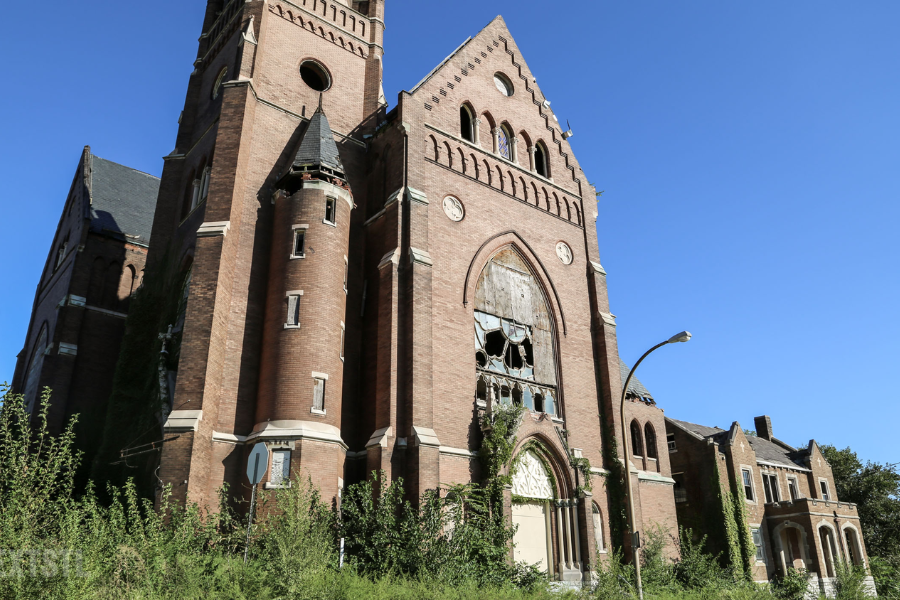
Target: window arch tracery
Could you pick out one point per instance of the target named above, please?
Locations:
(514, 350)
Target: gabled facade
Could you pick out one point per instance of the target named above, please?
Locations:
(793, 514)
(95, 263)
(363, 286)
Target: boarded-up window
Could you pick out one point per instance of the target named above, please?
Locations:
(281, 467)
(293, 311)
(319, 395)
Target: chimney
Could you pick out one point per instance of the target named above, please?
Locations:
(763, 427)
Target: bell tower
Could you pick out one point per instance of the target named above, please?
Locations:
(257, 204)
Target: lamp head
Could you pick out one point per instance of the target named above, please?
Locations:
(680, 337)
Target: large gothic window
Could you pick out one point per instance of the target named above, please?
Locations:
(513, 336)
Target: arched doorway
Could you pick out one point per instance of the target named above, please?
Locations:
(531, 514)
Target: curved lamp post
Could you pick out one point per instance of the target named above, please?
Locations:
(635, 546)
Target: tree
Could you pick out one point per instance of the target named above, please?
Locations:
(875, 489)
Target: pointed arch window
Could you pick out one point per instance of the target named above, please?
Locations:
(466, 124)
(598, 527)
(637, 444)
(650, 441)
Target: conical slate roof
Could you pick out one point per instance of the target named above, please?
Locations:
(317, 148)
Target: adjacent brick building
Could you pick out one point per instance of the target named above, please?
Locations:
(792, 509)
(77, 322)
(364, 284)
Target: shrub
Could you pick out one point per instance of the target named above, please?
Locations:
(886, 572)
(793, 585)
(849, 582)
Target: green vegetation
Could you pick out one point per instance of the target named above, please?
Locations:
(452, 545)
(875, 489)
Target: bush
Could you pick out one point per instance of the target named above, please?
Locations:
(793, 585)
(849, 582)
(886, 572)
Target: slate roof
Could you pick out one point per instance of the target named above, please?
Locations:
(635, 387)
(765, 450)
(317, 147)
(123, 200)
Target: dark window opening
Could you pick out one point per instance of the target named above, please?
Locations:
(529, 351)
(517, 397)
(650, 440)
(465, 123)
(540, 160)
(299, 242)
(824, 486)
(481, 359)
(792, 486)
(481, 390)
(330, 206)
(670, 441)
(748, 484)
(680, 491)
(315, 76)
(538, 403)
(637, 446)
(770, 484)
(494, 343)
(504, 395)
(513, 357)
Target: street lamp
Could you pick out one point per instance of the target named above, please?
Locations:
(635, 549)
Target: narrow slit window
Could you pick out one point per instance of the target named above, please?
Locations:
(299, 243)
(540, 160)
(824, 486)
(330, 209)
(293, 310)
(343, 336)
(465, 121)
(281, 467)
(346, 273)
(319, 395)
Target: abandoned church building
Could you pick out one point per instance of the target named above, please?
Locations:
(793, 515)
(96, 261)
(357, 287)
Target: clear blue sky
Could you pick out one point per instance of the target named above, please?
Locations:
(748, 150)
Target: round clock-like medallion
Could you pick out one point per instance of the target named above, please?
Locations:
(564, 253)
(453, 208)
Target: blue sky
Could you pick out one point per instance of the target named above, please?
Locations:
(748, 153)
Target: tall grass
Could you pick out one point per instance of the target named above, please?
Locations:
(452, 546)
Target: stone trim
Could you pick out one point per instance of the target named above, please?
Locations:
(421, 257)
(183, 421)
(598, 268)
(318, 184)
(69, 349)
(608, 318)
(781, 466)
(423, 436)
(448, 451)
(76, 300)
(213, 229)
(297, 430)
(417, 196)
(392, 257)
(380, 437)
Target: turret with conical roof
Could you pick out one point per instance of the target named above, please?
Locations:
(317, 156)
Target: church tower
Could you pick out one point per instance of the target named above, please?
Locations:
(256, 205)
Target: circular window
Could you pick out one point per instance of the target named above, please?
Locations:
(315, 76)
(503, 84)
(217, 86)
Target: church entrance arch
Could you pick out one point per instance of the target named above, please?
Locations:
(531, 513)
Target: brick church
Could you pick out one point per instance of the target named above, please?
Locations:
(361, 285)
